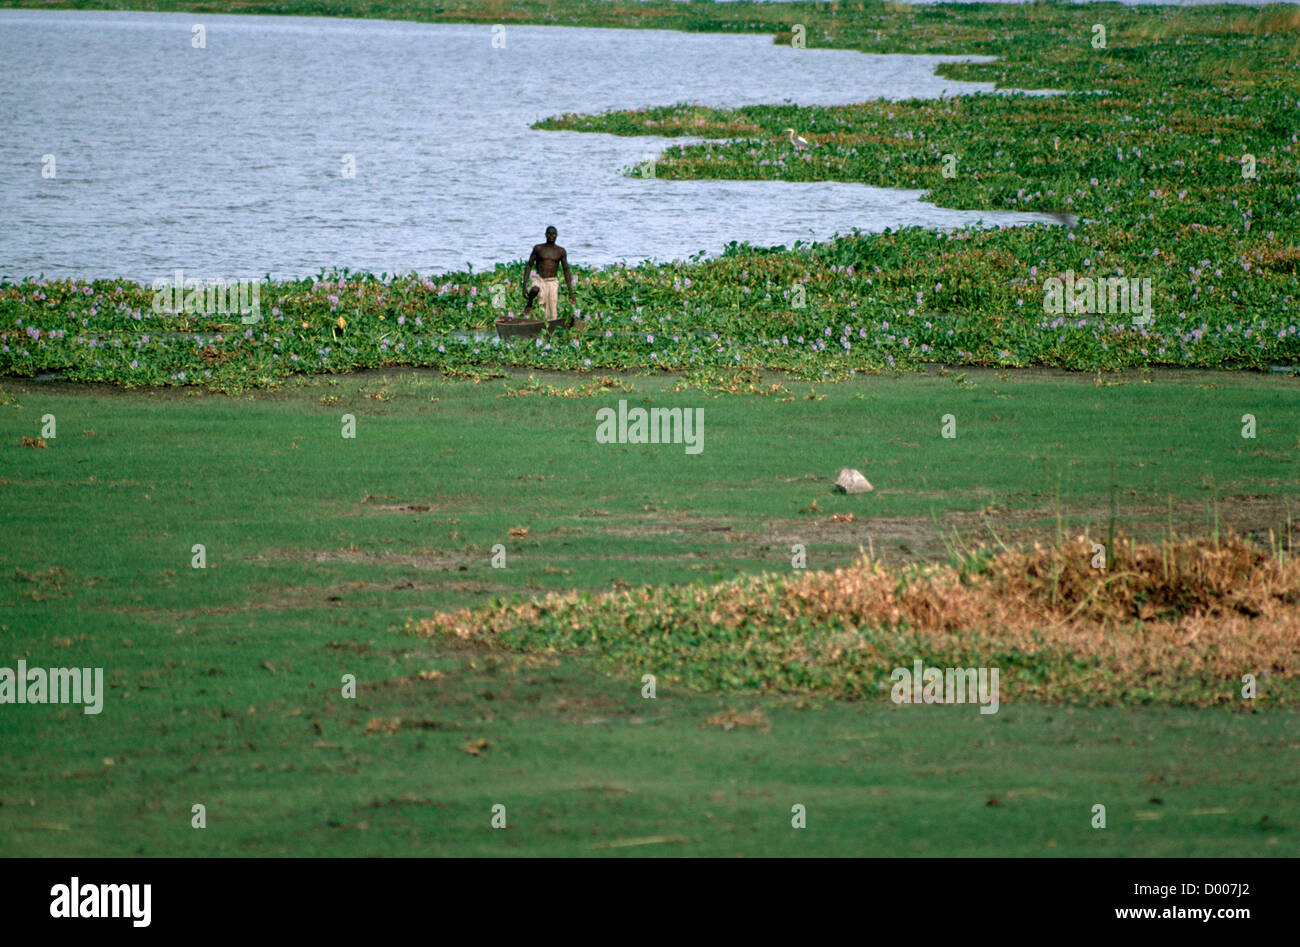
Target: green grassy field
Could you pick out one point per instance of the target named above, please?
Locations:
(224, 682)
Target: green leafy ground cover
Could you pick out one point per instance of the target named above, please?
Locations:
(223, 683)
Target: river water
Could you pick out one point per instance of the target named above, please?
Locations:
(229, 160)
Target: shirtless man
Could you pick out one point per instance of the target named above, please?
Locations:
(548, 257)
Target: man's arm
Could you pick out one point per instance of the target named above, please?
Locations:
(568, 277)
(528, 268)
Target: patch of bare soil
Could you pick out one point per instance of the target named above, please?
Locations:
(721, 530)
(922, 538)
(385, 505)
(926, 539)
(426, 561)
(287, 598)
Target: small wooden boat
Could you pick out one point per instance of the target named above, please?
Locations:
(509, 326)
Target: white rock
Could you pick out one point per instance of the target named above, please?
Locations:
(852, 481)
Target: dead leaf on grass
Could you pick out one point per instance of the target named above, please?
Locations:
(729, 720)
(647, 840)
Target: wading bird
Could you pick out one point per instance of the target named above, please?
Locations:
(800, 143)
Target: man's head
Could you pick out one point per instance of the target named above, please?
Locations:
(551, 234)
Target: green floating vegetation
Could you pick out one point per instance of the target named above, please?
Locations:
(1172, 149)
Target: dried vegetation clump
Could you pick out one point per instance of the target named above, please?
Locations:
(1174, 622)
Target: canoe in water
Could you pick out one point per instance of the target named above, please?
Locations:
(528, 328)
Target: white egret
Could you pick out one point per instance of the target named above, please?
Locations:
(800, 143)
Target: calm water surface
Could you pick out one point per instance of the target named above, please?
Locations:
(228, 161)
